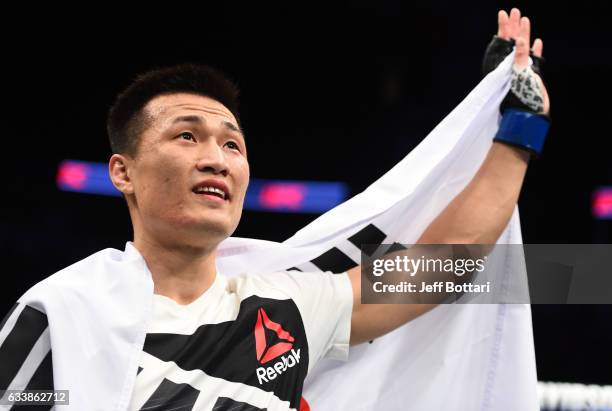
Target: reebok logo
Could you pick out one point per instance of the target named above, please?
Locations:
(267, 352)
(266, 374)
(277, 342)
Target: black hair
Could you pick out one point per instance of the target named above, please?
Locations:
(126, 118)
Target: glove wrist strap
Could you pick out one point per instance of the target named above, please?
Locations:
(523, 129)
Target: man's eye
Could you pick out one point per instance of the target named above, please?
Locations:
(232, 145)
(187, 136)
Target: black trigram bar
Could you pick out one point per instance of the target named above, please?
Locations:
(8, 315)
(41, 380)
(172, 396)
(370, 234)
(334, 260)
(30, 324)
(395, 247)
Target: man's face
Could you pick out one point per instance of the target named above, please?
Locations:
(190, 173)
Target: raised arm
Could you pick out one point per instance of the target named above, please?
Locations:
(478, 215)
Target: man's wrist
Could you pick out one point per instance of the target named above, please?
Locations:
(510, 150)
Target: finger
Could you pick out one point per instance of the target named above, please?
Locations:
(538, 46)
(525, 29)
(515, 17)
(503, 29)
(522, 42)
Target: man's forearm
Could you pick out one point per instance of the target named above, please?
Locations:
(479, 214)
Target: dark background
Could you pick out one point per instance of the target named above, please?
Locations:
(329, 92)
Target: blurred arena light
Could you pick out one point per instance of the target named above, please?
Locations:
(560, 396)
(602, 203)
(262, 195)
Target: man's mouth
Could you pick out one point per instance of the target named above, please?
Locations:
(212, 189)
(211, 192)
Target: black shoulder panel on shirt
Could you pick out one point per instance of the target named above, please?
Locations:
(227, 404)
(172, 396)
(265, 347)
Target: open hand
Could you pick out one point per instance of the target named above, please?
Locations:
(519, 28)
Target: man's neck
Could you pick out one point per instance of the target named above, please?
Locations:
(180, 273)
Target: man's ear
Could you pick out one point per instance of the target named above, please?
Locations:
(119, 171)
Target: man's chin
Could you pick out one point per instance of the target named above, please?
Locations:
(211, 230)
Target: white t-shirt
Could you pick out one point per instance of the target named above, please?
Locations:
(246, 344)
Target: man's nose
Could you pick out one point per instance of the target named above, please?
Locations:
(211, 158)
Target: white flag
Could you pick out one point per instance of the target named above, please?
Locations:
(456, 357)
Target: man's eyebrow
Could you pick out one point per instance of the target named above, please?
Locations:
(188, 119)
(200, 120)
(232, 126)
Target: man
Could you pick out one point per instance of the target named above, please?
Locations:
(180, 159)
